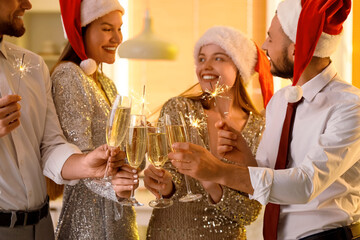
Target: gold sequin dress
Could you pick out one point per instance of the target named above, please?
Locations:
(202, 219)
(83, 109)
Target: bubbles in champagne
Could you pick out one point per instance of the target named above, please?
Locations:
(136, 146)
(117, 125)
(176, 133)
(157, 149)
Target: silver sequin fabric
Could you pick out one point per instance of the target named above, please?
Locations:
(82, 109)
(202, 219)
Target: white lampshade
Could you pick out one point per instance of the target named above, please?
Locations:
(147, 45)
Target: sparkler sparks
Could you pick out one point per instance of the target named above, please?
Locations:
(218, 90)
(22, 67)
(198, 123)
(140, 102)
(217, 93)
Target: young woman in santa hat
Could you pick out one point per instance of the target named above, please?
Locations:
(223, 56)
(83, 96)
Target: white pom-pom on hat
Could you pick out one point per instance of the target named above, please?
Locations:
(89, 66)
(293, 94)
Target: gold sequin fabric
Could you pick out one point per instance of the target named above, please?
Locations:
(202, 219)
(83, 109)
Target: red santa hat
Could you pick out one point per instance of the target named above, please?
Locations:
(245, 54)
(315, 26)
(79, 13)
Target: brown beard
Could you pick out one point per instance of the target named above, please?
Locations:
(285, 68)
(8, 28)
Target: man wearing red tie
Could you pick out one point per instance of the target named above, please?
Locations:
(308, 168)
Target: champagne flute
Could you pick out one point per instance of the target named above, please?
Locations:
(116, 128)
(135, 149)
(157, 155)
(179, 133)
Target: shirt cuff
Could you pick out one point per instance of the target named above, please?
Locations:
(56, 161)
(261, 181)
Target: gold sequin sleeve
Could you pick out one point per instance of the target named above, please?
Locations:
(71, 98)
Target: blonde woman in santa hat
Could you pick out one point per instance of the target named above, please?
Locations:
(225, 56)
(309, 169)
(83, 96)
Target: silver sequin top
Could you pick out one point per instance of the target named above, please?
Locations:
(201, 219)
(83, 109)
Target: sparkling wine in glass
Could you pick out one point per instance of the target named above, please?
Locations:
(178, 133)
(116, 128)
(135, 149)
(157, 156)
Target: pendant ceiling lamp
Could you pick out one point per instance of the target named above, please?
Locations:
(147, 45)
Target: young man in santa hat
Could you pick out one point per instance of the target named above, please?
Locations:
(308, 170)
(31, 140)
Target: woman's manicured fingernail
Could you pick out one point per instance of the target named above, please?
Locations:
(135, 176)
(134, 171)
(135, 181)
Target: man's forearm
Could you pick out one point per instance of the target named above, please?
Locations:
(75, 168)
(235, 177)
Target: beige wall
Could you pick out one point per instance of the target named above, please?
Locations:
(183, 22)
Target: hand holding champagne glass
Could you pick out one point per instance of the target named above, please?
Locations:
(157, 155)
(178, 133)
(116, 127)
(135, 149)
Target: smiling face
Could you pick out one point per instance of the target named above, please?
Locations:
(280, 50)
(11, 17)
(103, 36)
(213, 62)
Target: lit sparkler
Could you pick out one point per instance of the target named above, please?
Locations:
(217, 93)
(218, 90)
(140, 101)
(143, 101)
(198, 123)
(22, 68)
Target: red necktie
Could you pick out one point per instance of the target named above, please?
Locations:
(272, 211)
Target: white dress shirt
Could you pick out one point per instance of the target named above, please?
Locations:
(37, 146)
(320, 189)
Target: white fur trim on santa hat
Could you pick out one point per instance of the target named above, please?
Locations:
(327, 44)
(94, 9)
(288, 13)
(240, 48)
(88, 66)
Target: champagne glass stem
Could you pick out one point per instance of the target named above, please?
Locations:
(132, 194)
(188, 189)
(161, 196)
(106, 170)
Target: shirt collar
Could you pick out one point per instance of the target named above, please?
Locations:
(315, 85)
(2, 49)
